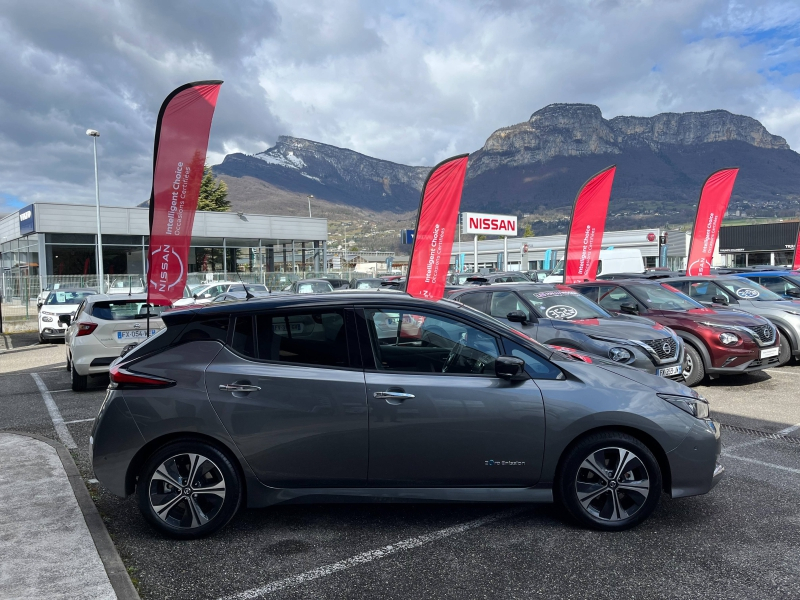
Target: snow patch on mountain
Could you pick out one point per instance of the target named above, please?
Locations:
(289, 160)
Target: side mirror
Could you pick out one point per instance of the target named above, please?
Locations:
(719, 300)
(510, 368)
(629, 309)
(194, 296)
(517, 316)
(793, 292)
(65, 319)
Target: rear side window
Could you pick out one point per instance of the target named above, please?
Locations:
(309, 338)
(475, 300)
(243, 339)
(124, 310)
(215, 329)
(589, 291)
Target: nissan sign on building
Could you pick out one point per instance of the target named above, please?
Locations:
(488, 224)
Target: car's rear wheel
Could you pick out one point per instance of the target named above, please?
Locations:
(693, 369)
(189, 489)
(609, 481)
(79, 382)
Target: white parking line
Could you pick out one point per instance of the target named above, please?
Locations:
(78, 421)
(371, 555)
(55, 415)
(764, 464)
(759, 441)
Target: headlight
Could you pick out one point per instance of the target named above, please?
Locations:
(47, 319)
(697, 407)
(729, 339)
(619, 354)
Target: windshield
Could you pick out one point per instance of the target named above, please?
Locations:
(368, 284)
(559, 270)
(60, 298)
(658, 297)
(124, 284)
(314, 287)
(748, 290)
(122, 310)
(502, 326)
(563, 305)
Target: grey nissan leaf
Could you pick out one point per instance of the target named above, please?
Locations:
(386, 397)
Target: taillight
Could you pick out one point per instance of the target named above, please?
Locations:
(122, 377)
(86, 328)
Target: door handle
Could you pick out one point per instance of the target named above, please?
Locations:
(393, 396)
(238, 387)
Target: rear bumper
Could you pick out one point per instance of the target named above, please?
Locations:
(694, 464)
(114, 442)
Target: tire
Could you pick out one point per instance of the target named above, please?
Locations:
(785, 352)
(614, 503)
(192, 513)
(693, 369)
(79, 382)
(41, 339)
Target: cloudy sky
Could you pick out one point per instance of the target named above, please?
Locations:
(409, 81)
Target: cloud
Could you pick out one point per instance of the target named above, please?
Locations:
(406, 80)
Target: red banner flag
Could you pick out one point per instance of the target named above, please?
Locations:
(586, 227)
(436, 228)
(182, 130)
(796, 261)
(712, 206)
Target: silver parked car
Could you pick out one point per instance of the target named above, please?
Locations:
(748, 296)
(363, 395)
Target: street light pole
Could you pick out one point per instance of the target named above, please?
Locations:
(101, 284)
(310, 196)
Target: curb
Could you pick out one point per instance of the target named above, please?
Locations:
(115, 569)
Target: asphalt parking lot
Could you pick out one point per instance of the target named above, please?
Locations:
(741, 540)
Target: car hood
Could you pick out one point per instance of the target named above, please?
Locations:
(654, 382)
(61, 309)
(722, 316)
(778, 305)
(611, 328)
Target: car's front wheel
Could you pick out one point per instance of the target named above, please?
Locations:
(693, 369)
(609, 481)
(785, 350)
(189, 489)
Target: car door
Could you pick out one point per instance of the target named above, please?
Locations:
(439, 416)
(289, 389)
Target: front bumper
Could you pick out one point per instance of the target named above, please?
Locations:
(694, 463)
(52, 333)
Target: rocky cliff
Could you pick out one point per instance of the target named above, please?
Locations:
(540, 164)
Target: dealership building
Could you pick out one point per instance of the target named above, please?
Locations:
(46, 240)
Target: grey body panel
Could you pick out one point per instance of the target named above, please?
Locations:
(454, 424)
(306, 427)
(453, 428)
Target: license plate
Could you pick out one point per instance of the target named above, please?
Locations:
(770, 352)
(670, 371)
(134, 335)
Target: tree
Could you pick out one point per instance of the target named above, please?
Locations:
(528, 231)
(213, 194)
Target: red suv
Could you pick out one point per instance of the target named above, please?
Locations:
(717, 342)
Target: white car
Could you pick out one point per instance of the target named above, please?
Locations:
(206, 293)
(62, 301)
(102, 326)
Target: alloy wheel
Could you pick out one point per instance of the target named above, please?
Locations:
(187, 491)
(612, 484)
(688, 365)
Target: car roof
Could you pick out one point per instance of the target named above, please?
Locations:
(630, 281)
(775, 273)
(504, 287)
(116, 297)
(65, 289)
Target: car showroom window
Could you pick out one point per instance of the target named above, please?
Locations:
(420, 342)
(506, 302)
(243, 340)
(536, 366)
(310, 337)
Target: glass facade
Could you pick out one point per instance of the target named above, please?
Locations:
(21, 256)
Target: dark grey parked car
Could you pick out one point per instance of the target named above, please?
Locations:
(562, 317)
(387, 397)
